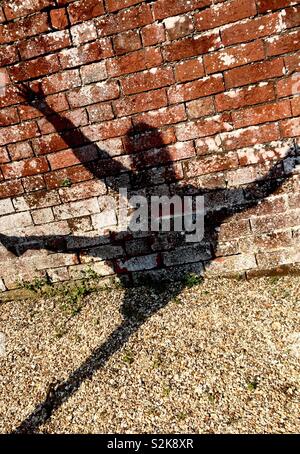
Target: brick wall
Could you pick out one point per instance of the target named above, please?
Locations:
(161, 97)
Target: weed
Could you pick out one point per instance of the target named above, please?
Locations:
(191, 280)
(128, 358)
(66, 183)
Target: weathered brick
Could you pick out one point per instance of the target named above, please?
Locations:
(35, 68)
(43, 44)
(252, 29)
(23, 28)
(17, 133)
(241, 138)
(136, 17)
(190, 47)
(204, 127)
(8, 116)
(233, 57)
(193, 90)
(282, 44)
(87, 53)
(127, 42)
(248, 96)
(83, 10)
(61, 81)
(271, 5)
(147, 80)
(254, 73)
(163, 8)
(179, 26)
(59, 18)
(210, 164)
(15, 8)
(189, 70)
(221, 14)
(161, 117)
(8, 55)
(100, 112)
(90, 94)
(67, 120)
(20, 150)
(200, 107)
(291, 127)
(261, 114)
(115, 5)
(135, 61)
(25, 168)
(83, 33)
(153, 34)
(141, 102)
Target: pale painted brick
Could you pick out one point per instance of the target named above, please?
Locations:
(76, 209)
(43, 216)
(15, 221)
(6, 207)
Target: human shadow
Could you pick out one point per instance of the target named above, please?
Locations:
(140, 142)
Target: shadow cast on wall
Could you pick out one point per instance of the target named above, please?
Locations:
(100, 167)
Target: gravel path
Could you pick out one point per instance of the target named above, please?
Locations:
(220, 357)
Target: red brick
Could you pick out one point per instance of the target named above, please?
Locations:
(60, 82)
(292, 62)
(290, 128)
(153, 34)
(84, 10)
(161, 117)
(252, 29)
(87, 53)
(2, 17)
(271, 5)
(11, 188)
(10, 95)
(247, 137)
(262, 114)
(17, 133)
(254, 73)
(64, 121)
(189, 70)
(136, 61)
(190, 47)
(59, 18)
(147, 80)
(136, 17)
(288, 86)
(43, 44)
(165, 8)
(56, 102)
(140, 103)
(291, 17)
(296, 106)
(149, 139)
(108, 130)
(8, 116)
(100, 112)
(67, 158)
(245, 97)
(29, 26)
(75, 174)
(116, 5)
(20, 150)
(93, 73)
(127, 42)
(200, 107)
(8, 55)
(179, 26)
(83, 33)
(170, 153)
(15, 8)
(203, 127)
(90, 94)
(35, 68)
(55, 142)
(193, 90)
(282, 44)
(33, 183)
(231, 11)
(211, 164)
(25, 168)
(233, 57)
(3, 156)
